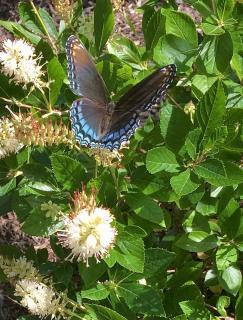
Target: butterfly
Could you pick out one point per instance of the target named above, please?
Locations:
(98, 123)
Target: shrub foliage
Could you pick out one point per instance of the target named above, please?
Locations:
(176, 191)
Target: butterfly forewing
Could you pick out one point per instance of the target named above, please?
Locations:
(142, 100)
(83, 76)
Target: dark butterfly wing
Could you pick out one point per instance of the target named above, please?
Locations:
(136, 105)
(86, 122)
(82, 73)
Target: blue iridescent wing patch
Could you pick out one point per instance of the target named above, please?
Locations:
(97, 123)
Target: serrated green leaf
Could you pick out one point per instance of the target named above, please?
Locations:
(197, 241)
(192, 142)
(99, 312)
(127, 51)
(219, 173)
(68, 172)
(48, 23)
(212, 27)
(37, 224)
(161, 159)
(181, 25)
(225, 9)
(223, 43)
(174, 126)
(226, 255)
(184, 183)
(9, 186)
(100, 292)
(29, 18)
(153, 29)
(157, 260)
(103, 23)
(146, 208)
(195, 310)
(211, 111)
(130, 251)
(142, 299)
(20, 31)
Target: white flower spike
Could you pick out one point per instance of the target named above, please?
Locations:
(39, 298)
(20, 63)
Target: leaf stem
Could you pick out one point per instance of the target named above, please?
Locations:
(115, 182)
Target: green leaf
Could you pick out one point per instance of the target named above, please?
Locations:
(49, 23)
(28, 17)
(37, 224)
(190, 271)
(201, 84)
(20, 31)
(68, 172)
(161, 159)
(197, 241)
(103, 23)
(211, 111)
(181, 25)
(56, 75)
(141, 298)
(231, 279)
(222, 303)
(184, 183)
(146, 208)
(223, 43)
(92, 273)
(157, 260)
(225, 9)
(219, 173)
(239, 306)
(174, 126)
(153, 29)
(100, 292)
(9, 186)
(129, 252)
(194, 221)
(192, 141)
(212, 27)
(207, 206)
(226, 255)
(195, 310)
(127, 51)
(237, 64)
(99, 312)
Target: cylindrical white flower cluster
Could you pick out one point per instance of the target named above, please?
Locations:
(20, 62)
(38, 298)
(8, 142)
(35, 292)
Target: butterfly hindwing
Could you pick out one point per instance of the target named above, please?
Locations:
(87, 121)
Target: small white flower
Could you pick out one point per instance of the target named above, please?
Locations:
(20, 62)
(38, 298)
(89, 234)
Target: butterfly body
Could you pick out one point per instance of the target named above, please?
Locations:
(99, 123)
